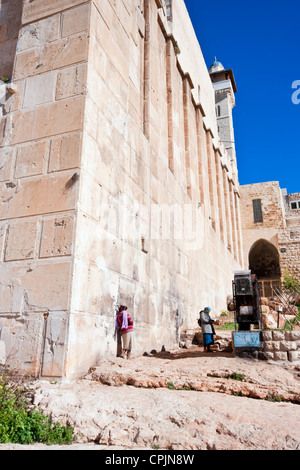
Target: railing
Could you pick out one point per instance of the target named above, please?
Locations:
(268, 286)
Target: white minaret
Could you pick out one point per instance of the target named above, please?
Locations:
(225, 89)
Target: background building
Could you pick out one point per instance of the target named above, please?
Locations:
(271, 232)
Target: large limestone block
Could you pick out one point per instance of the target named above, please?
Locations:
(54, 346)
(71, 81)
(39, 89)
(52, 119)
(76, 20)
(21, 240)
(94, 335)
(23, 338)
(33, 11)
(65, 152)
(47, 286)
(35, 286)
(55, 193)
(57, 237)
(51, 56)
(39, 33)
(31, 158)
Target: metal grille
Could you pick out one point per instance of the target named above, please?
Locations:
(243, 285)
(257, 211)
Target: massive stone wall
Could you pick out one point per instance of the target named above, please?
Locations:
(115, 187)
(40, 148)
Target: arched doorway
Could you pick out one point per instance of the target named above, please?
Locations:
(264, 262)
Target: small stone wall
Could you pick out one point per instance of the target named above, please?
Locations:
(281, 345)
(275, 345)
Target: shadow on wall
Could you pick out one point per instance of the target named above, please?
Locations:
(10, 25)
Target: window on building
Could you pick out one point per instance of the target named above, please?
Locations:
(257, 211)
(167, 6)
(218, 111)
(295, 205)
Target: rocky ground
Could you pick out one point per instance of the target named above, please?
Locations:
(182, 399)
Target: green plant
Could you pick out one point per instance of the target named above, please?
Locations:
(4, 79)
(177, 49)
(155, 447)
(291, 283)
(236, 376)
(22, 423)
(224, 313)
(226, 326)
(289, 326)
(274, 399)
(170, 386)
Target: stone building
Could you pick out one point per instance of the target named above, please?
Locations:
(271, 232)
(115, 185)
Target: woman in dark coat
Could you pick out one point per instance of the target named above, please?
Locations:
(208, 331)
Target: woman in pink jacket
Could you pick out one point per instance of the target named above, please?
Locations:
(125, 324)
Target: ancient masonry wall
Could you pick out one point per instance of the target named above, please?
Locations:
(273, 214)
(281, 345)
(114, 186)
(41, 132)
(280, 226)
(289, 239)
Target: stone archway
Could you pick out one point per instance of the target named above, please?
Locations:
(264, 262)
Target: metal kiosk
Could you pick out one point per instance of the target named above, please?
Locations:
(247, 313)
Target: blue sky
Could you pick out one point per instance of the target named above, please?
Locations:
(260, 41)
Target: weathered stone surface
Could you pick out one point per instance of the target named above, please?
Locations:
(34, 286)
(269, 321)
(278, 335)
(39, 33)
(288, 346)
(23, 338)
(31, 159)
(71, 81)
(280, 356)
(36, 10)
(21, 240)
(38, 196)
(281, 345)
(107, 124)
(39, 89)
(57, 237)
(65, 152)
(54, 55)
(207, 414)
(279, 227)
(294, 356)
(292, 335)
(55, 118)
(76, 20)
(55, 337)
